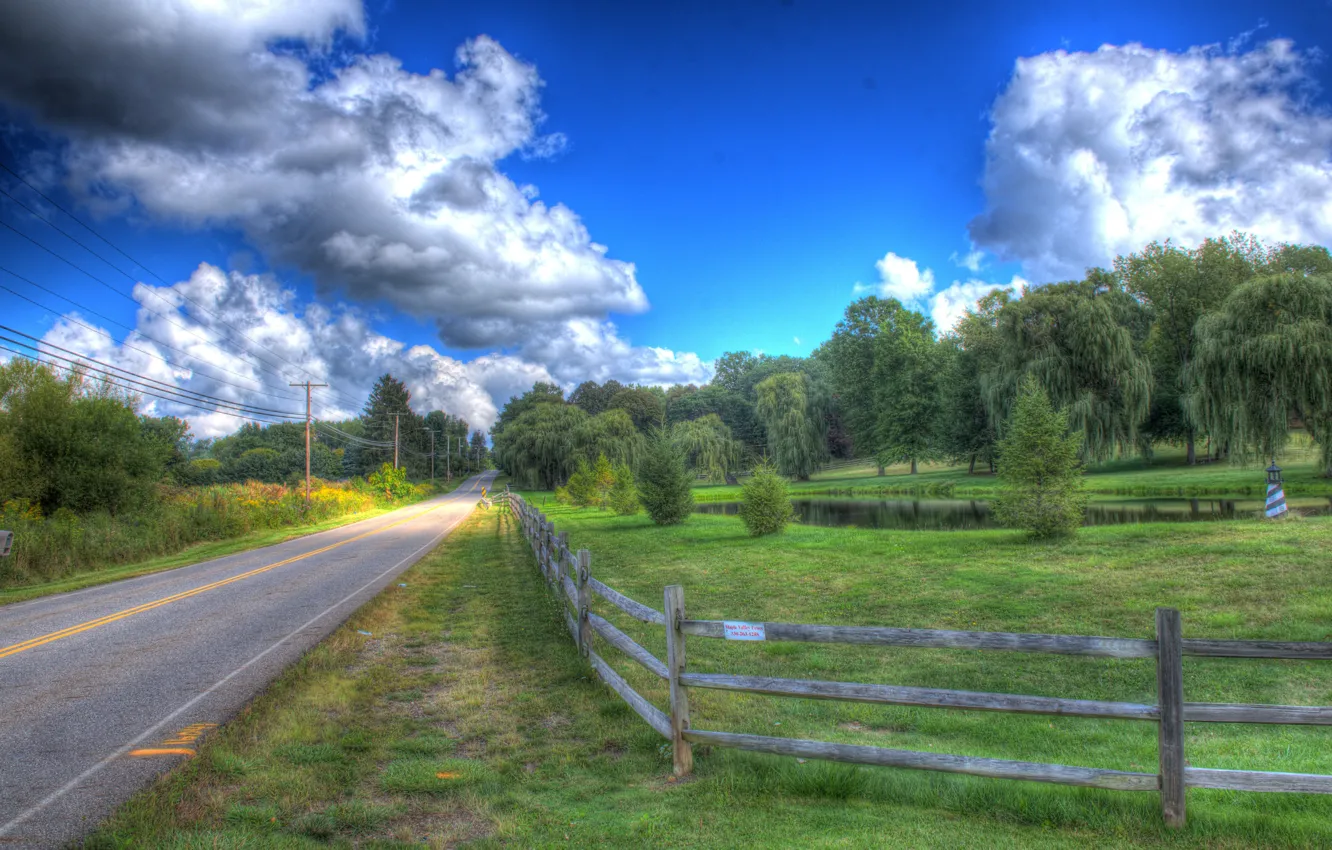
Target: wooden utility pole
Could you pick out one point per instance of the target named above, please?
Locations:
(308, 386)
(448, 465)
(395, 440)
(432, 434)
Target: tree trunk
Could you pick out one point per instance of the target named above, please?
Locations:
(971, 470)
(913, 466)
(883, 470)
(1193, 454)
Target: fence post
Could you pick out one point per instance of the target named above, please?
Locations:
(1170, 695)
(681, 749)
(561, 550)
(584, 601)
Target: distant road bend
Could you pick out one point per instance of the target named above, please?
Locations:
(103, 689)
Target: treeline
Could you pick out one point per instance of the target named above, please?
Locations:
(1220, 348)
(68, 441)
(343, 449)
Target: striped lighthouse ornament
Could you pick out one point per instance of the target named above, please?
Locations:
(1276, 497)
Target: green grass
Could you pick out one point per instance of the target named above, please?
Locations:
(1165, 475)
(193, 554)
(508, 740)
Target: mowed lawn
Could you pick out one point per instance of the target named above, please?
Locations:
(468, 718)
(1165, 475)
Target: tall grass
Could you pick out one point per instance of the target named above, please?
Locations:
(50, 548)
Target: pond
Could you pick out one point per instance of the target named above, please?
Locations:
(966, 514)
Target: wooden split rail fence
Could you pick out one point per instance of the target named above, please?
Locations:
(570, 575)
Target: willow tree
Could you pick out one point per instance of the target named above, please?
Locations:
(1181, 286)
(610, 433)
(539, 447)
(709, 448)
(794, 412)
(1077, 340)
(1264, 356)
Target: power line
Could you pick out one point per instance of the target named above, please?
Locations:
(74, 370)
(135, 378)
(118, 250)
(153, 340)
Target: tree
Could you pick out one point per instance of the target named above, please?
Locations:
(70, 442)
(646, 406)
(594, 398)
(793, 410)
(708, 446)
(624, 494)
(765, 506)
(1180, 287)
(663, 481)
(611, 433)
(1039, 469)
(478, 449)
(1077, 339)
(966, 432)
(850, 354)
(388, 414)
(905, 374)
(539, 448)
(1264, 356)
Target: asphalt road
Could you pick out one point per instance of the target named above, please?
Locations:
(103, 689)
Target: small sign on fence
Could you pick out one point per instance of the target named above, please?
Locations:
(743, 631)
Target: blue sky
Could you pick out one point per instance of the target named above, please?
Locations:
(754, 161)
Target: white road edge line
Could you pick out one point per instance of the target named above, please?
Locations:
(152, 730)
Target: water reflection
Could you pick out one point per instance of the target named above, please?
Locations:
(965, 514)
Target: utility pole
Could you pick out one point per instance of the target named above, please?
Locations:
(395, 440)
(308, 386)
(448, 467)
(432, 434)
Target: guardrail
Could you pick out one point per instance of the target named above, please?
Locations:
(570, 575)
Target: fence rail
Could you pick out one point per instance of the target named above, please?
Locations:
(569, 574)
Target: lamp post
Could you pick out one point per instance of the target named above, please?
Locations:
(1276, 496)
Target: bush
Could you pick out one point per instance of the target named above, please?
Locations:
(388, 483)
(1041, 489)
(765, 506)
(663, 482)
(623, 494)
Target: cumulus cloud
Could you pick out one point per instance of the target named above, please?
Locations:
(199, 324)
(948, 305)
(903, 279)
(971, 261)
(380, 183)
(1097, 154)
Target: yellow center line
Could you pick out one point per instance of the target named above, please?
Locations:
(33, 643)
(163, 751)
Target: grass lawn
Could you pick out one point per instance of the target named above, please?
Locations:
(468, 718)
(194, 554)
(1166, 475)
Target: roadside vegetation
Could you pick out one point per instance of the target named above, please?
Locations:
(89, 485)
(466, 717)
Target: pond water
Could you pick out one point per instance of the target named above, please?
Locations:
(965, 514)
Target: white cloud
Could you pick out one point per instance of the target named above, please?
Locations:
(216, 312)
(971, 261)
(904, 280)
(901, 278)
(380, 183)
(1097, 154)
(948, 305)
